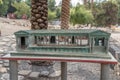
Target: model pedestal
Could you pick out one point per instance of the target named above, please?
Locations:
(13, 69)
(105, 71)
(63, 70)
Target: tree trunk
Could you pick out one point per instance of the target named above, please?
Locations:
(92, 1)
(39, 20)
(85, 2)
(65, 14)
(39, 14)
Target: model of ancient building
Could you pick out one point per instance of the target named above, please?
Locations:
(81, 41)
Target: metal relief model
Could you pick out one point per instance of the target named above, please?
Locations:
(69, 43)
(84, 45)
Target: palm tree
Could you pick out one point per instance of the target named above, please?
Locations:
(39, 20)
(39, 14)
(65, 18)
(65, 14)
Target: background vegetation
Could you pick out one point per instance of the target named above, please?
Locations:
(81, 15)
(21, 9)
(95, 12)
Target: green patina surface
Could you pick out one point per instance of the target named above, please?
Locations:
(92, 32)
(60, 49)
(63, 54)
(91, 50)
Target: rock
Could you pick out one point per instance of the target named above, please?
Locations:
(0, 65)
(24, 72)
(3, 70)
(2, 43)
(44, 73)
(13, 47)
(42, 63)
(20, 77)
(1, 51)
(55, 74)
(1, 62)
(8, 44)
(6, 64)
(13, 23)
(6, 61)
(34, 74)
(40, 68)
(6, 39)
(5, 76)
(13, 36)
(6, 51)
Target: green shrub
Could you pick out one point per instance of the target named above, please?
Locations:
(22, 9)
(80, 15)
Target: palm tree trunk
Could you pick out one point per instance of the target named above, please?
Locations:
(65, 14)
(39, 14)
(85, 2)
(92, 1)
(39, 20)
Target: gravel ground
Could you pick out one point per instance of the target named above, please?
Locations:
(9, 26)
(116, 36)
(76, 71)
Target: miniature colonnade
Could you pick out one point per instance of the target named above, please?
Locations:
(87, 40)
(94, 50)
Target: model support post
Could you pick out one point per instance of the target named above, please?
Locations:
(105, 72)
(13, 69)
(63, 70)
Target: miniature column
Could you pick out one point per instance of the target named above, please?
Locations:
(89, 42)
(63, 70)
(107, 49)
(13, 70)
(31, 40)
(92, 45)
(105, 72)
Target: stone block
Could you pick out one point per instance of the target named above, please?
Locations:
(24, 72)
(5, 76)
(3, 70)
(2, 43)
(34, 75)
(55, 74)
(6, 39)
(1, 51)
(20, 77)
(44, 73)
(1, 65)
(1, 62)
(6, 64)
(6, 61)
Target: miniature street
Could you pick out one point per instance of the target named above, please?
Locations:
(76, 71)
